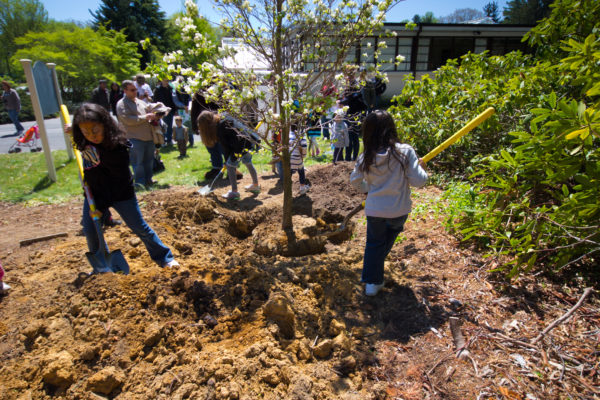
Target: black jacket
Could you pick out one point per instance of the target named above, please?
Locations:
(100, 96)
(231, 141)
(107, 173)
(164, 95)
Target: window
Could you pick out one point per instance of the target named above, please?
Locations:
(500, 46)
(444, 48)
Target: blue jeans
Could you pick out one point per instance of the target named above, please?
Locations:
(141, 157)
(132, 216)
(168, 119)
(216, 156)
(381, 234)
(14, 117)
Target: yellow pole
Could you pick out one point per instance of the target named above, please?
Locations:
(466, 129)
(64, 112)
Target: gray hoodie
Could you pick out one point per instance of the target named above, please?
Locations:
(387, 184)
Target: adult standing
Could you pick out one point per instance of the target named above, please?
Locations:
(115, 95)
(143, 89)
(12, 103)
(131, 112)
(352, 97)
(164, 94)
(100, 95)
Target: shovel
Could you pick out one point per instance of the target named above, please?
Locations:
(205, 190)
(102, 260)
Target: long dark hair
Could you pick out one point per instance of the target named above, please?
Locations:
(379, 133)
(207, 127)
(90, 112)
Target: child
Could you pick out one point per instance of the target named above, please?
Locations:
(105, 153)
(385, 171)
(180, 133)
(213, 129)
(3, 286)
(339, 136)
(297, 154)
(313, 132)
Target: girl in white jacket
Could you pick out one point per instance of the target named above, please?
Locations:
(385, 171)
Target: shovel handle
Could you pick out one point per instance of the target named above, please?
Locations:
(462, 132)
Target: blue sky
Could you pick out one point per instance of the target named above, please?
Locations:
(78, 10)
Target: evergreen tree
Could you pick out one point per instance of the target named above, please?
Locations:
(526, 12)
(140, 19)
(491, 10)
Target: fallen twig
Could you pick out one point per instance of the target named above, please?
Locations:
(563, 318)
(27, 242)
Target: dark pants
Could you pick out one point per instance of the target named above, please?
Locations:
(381, 234)
(182, 146)
(301, 175)
(338, 154)
(352, 149)
(168, 120)
(216, 156)
(14, 117)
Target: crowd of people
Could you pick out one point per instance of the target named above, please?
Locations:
(144, 120)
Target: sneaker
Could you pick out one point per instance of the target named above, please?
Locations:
(171, 264)
(371, 289)
(4, 287)
(231, 195)
(304, 189)
(254, 188)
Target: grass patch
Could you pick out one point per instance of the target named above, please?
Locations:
(24, 178)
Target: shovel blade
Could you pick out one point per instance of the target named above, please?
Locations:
(103, 262)
(205, 190)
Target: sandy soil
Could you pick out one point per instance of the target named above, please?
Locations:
(253, 314)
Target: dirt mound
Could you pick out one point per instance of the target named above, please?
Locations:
(241, 319)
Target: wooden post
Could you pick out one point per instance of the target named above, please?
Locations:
(67, 137)
(39, 118)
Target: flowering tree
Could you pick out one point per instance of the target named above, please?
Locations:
(302, 45)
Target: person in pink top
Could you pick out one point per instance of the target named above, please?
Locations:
(3, 286)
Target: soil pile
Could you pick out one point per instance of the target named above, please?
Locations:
(240, 320)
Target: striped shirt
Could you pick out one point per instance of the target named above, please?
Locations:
(297, 151)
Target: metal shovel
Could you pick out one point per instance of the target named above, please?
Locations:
(205, 190)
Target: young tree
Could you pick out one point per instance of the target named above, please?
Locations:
(139, 19)
(18, 17)
(82, 55)
(303, 44)
(491, 10)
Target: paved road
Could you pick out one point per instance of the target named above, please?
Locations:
(53, 129)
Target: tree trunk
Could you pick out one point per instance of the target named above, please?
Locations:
(286, 223)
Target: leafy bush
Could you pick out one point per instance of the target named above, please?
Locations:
(534, 191)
